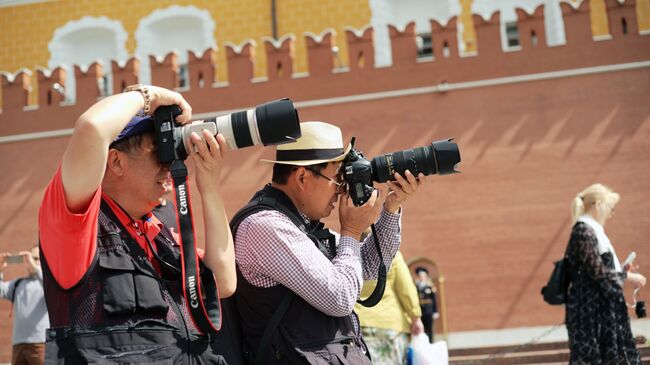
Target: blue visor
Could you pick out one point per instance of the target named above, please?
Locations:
(138, 125)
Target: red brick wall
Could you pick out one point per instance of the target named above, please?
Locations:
(527, 148)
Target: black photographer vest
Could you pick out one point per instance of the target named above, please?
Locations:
(122, 310)
(304, 335)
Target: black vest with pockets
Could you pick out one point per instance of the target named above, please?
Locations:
(122, 310)
(305, 335)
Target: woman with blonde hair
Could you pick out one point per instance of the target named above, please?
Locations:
(596, 314)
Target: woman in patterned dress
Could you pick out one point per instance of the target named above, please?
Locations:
(596, 314)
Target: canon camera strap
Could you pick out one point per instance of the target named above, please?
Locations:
(199, 287)
(378, 293)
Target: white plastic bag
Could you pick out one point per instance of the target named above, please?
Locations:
(421, 352)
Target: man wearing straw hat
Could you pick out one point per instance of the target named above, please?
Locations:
(297, 281)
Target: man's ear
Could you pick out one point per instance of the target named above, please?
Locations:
(299, 177)
(116, 162)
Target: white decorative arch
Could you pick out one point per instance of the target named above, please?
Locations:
(174, 29)
(84, 41)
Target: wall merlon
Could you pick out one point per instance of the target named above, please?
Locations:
(403, 46)
(622, 18)
(488, 35)
(577, 23)
(15, 89)
(319, 38)
(444, 39)
(280, 42)
(201, 69)
(165, 73)
(125, 75)
(241, 62)
(320, 56)
(279, 57)
(87, 82)
(531, 27)
(51, 86)
(361, 49)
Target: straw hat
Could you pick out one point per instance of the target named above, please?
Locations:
(320, 142)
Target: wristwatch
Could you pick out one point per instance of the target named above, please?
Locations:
(144, 90)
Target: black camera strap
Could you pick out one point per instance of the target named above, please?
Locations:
(199, 287)
(378, 293)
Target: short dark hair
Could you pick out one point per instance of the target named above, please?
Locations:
(281, 172)
(130, 144)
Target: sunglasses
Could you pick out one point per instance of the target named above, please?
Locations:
(341, 187)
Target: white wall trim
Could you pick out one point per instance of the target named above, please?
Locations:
(277, 43)
(36, 135)
(57, 46)
(358, 32)
(238, 48)
(12, 76)
(318, 38)
(59, 55)
(442, 88)
(144, 36)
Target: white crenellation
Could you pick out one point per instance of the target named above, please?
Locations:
(238, 48)
(277, 43)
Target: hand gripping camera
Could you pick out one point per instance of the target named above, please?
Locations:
(441, 158)
(272, 123)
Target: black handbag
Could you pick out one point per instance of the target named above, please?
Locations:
(555, 291)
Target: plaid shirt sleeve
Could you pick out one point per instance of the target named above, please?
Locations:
(389, 230)
(271, 250)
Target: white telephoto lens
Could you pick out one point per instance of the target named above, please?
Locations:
(252, 127)
(224, 126)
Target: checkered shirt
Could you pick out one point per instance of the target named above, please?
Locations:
(271, 250)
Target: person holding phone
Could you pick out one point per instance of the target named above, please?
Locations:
(30, 319)
(596, 313)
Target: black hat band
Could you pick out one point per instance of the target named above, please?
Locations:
(310, 154)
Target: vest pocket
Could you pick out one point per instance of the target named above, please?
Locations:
(150, 297)
(118, 292)
(117, 345)
(339, 351)
(128, 290)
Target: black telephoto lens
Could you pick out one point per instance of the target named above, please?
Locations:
(278, 122)
(441, 157)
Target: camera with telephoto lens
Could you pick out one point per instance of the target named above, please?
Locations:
(272, 123)
(441, 157)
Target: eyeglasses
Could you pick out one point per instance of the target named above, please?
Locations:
(340, 186)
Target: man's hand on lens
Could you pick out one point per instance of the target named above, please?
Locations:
(207, 155)
(354, 220)
(402, 189)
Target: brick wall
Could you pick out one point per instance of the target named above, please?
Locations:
(534, 127)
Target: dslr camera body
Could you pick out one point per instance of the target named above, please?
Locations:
(441, 157)
(272, 123)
